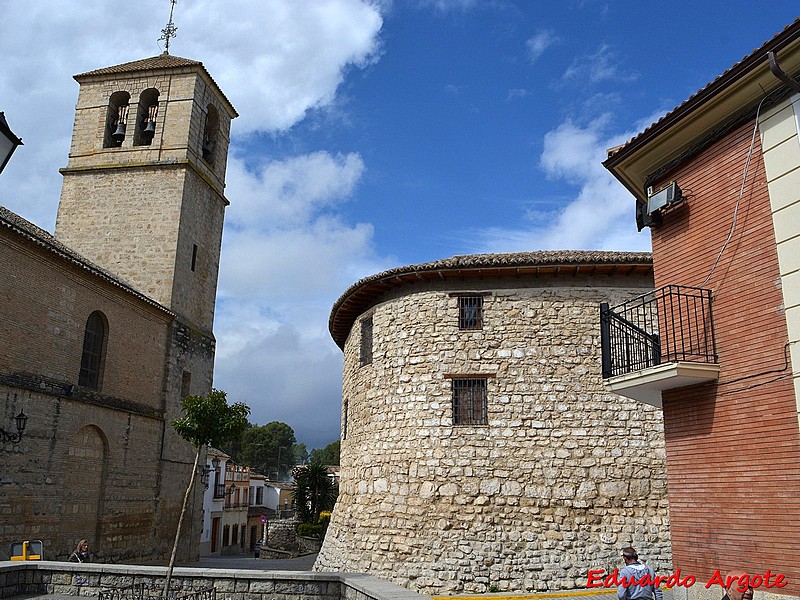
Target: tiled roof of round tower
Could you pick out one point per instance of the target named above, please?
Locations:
(364, 293)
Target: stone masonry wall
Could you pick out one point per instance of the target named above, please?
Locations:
(563, 475)
(86, 580)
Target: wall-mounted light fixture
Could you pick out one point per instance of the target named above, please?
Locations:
(204, 471)
(20, 420)
(8, 142)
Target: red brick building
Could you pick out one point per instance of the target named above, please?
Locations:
(717, 345)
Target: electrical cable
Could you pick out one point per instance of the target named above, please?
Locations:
(741, 195)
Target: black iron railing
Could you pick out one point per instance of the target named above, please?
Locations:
(670, 324)
(219, 490)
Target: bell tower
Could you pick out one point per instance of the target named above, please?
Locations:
(142, 195)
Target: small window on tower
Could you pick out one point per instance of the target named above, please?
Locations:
(210, 132)
(194, 256)
(366, 341)
(186, 384)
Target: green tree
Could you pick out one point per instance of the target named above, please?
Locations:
(233, 448)
(329, 455)
(299, 454)
(206, 421)
(313, 491)
(268, 448)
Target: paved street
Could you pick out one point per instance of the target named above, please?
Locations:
(246, 561)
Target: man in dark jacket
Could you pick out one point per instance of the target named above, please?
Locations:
(734, 591)
(636, 570)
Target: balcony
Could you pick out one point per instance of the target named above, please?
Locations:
(658, 341)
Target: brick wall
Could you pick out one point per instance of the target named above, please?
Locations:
(733, 452)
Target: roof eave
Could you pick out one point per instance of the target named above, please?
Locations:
(365, 293)
(740, 88)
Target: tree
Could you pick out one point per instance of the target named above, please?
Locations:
(299, 454)
(268, 448)
(206, 421)
(313, 491)
(329, 455)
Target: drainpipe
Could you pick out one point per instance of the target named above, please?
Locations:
(781, 74)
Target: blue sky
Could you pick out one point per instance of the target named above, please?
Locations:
(378, 134)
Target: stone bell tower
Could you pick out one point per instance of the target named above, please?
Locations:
(142, 195)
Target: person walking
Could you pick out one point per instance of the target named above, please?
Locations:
(636, 570)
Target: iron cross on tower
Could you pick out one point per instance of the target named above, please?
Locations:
(170, 31)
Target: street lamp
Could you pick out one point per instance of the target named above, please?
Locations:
(8, 142)
(20, 420)
(204, 471)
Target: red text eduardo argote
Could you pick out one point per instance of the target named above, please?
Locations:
(768, 579)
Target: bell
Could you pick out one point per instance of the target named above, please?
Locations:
(119, 134)
(149, 128)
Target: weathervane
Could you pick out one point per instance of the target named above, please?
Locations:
(170, 31)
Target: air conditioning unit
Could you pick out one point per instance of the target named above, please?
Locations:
(663, 198)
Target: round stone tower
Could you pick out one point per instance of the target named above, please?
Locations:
(479, 449)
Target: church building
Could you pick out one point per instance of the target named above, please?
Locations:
(107, 324)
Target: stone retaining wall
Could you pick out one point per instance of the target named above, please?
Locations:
(282, 534)
(18, 578)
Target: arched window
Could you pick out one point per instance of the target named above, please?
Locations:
(146, 118)
(116, 119)
(210, 134)
(94, 350)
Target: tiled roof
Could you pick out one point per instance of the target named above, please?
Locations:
(162, 61)
(713, 86)
(155, 63)
(361, 295)
(44, 239)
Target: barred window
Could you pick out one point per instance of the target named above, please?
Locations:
(366, 341)
(344, 420)
(92, 357)
(470, 312)
(469, 401)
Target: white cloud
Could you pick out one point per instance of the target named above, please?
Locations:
(597, 67)
(599, 217)
(287, 192)
(449, 5)
(515, 93)
(539, 43)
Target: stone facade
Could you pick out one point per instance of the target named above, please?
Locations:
(558, 477)
(138, 236)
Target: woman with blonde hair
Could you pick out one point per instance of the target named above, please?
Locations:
(81, 553)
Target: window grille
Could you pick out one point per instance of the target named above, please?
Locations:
(470, 312)
(344, 420)
(366, 341)
(92, 357)
(469, 401)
